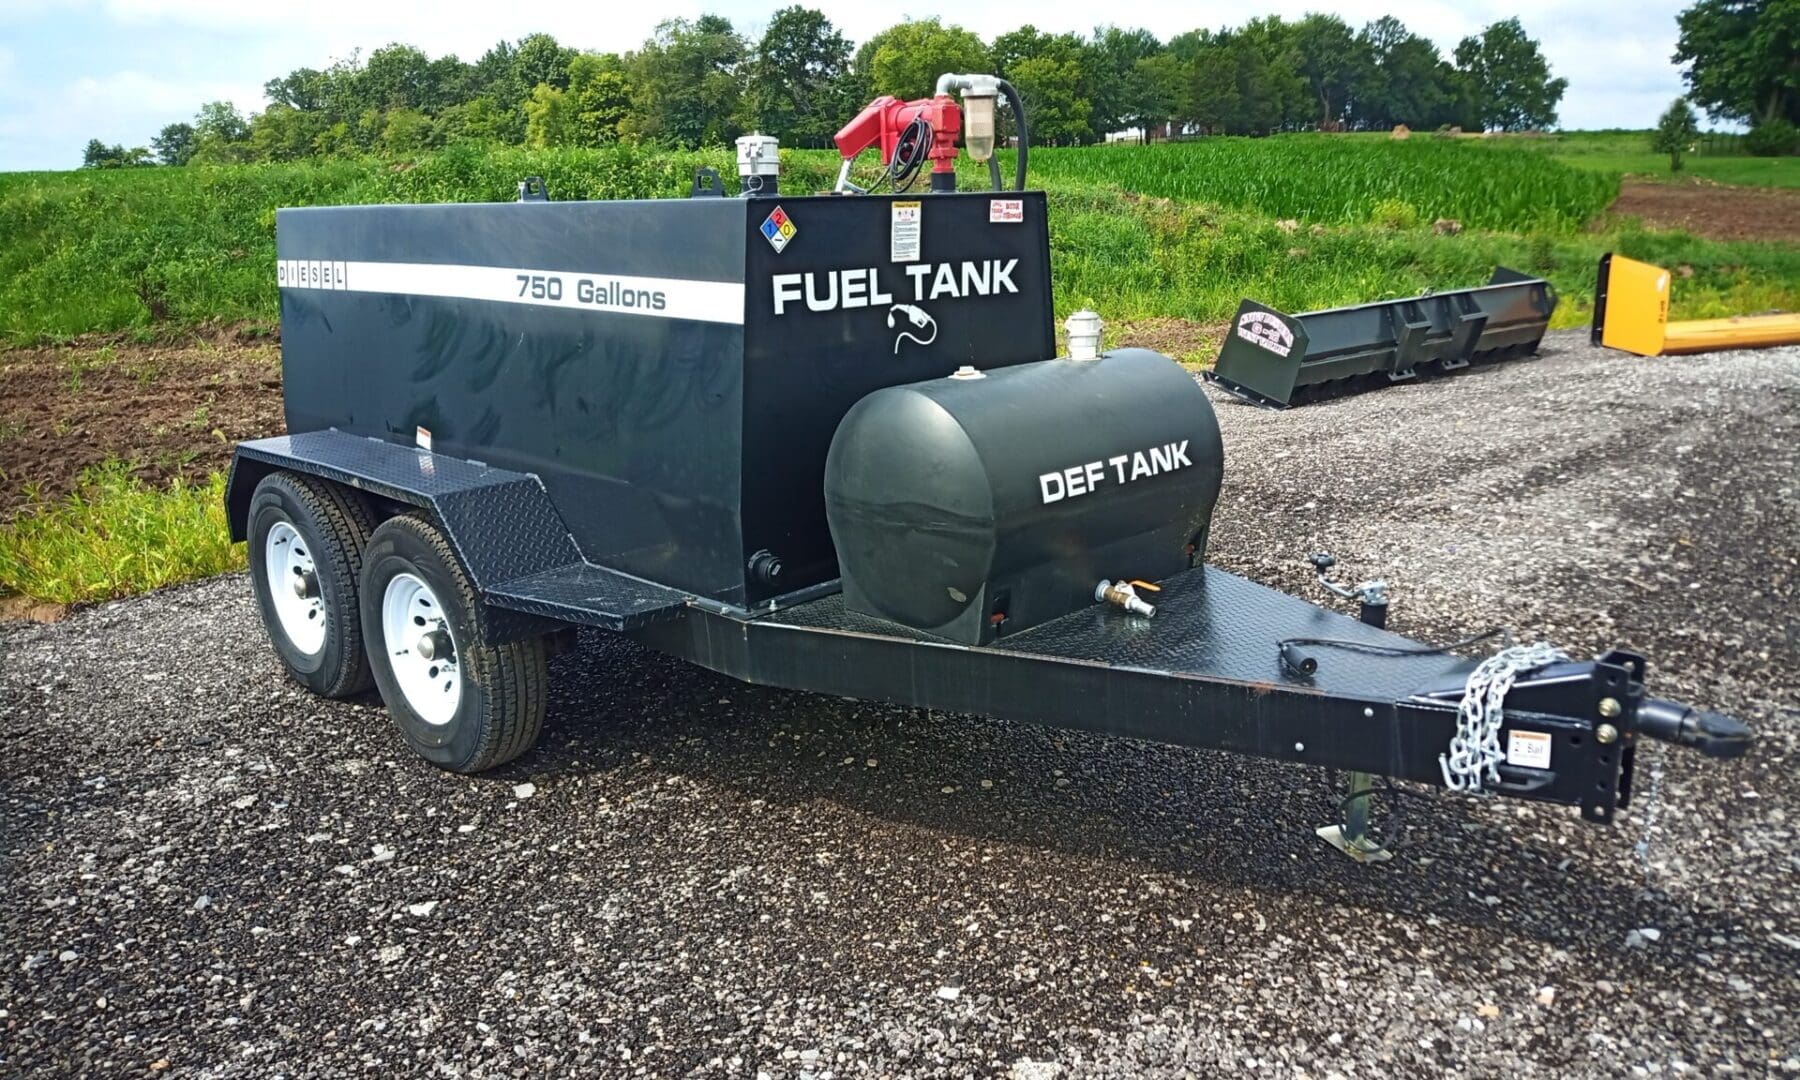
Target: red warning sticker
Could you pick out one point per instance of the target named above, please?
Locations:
(1006, 211)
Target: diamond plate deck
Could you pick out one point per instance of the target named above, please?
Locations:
(1204, 672)
(1208, 624)
(500, 522)
(590, 595)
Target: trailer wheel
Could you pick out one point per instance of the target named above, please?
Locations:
(461, 704)
(305, 553)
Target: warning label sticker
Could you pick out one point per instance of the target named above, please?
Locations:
(778, 229)
(1006, 211)
(903, 245)
(1528, 749)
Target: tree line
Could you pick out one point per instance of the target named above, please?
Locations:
(701, 82)
(1743, 64)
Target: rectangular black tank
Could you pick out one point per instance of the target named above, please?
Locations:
(673, 370)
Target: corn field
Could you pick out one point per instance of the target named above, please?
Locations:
(1340, 181)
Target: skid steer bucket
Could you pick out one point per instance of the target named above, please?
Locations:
(1631, 312)
(1270, 358)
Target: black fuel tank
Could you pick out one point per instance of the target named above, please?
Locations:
(968, 508)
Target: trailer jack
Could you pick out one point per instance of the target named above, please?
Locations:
(1351, 834)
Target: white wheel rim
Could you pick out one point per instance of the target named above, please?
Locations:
(288, 562)
(432, 685)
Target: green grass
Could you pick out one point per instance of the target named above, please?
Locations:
(115, 536)
(154, 250)
(118, 249)
(1629, 153)
(1141, 258)
(1310, 179)
(114, 249)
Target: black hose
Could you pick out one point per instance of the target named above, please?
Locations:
(1018, 110)
(910, 150)
(1291, 656)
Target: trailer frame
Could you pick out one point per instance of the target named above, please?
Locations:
(1205, 673)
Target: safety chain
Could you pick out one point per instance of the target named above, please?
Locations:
(1475, 753)
(1651, 804)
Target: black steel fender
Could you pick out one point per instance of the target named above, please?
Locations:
(502, 524)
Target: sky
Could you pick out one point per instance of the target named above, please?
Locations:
(118, 70)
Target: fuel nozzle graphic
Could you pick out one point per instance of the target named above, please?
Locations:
(918, 320)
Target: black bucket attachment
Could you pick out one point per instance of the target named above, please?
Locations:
(1270, 357)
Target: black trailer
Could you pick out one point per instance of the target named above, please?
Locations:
(818, 442)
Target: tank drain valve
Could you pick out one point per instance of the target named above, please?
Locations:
(1122, 595)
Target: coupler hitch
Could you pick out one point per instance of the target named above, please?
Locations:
(1713, 734)
(1530, 723)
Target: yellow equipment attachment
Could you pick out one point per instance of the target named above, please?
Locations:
(1631, 312)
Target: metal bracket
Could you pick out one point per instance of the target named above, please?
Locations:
(707, 184)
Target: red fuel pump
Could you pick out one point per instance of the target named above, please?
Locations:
(907, 132)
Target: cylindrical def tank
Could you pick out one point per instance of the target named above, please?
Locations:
(968, 508)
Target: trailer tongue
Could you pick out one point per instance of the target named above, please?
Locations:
(818, 442)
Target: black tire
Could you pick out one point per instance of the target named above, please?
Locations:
(499, 712)
(334, 524)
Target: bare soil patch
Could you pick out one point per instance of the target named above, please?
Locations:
(168, 409)
(1715, 211)
(1192, 343)
(177, 410)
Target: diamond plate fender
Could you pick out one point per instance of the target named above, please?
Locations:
(501, 523)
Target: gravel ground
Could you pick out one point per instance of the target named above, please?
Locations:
(209, 873)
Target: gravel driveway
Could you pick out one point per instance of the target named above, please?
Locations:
(209, 873)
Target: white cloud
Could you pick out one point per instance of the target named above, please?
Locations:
(125, 107)
(26, 10)
(134, 91)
